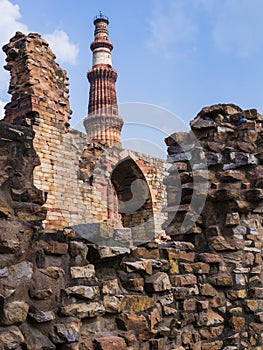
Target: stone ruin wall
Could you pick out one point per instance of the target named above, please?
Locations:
(201, 290)
(68, 159)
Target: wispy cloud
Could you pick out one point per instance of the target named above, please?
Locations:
(2, 111)
(238, 27)
(9, 24)
(172, 29)
(66, 51)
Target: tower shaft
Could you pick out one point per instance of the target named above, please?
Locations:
(103, 123)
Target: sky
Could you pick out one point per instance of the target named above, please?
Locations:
(178, 55)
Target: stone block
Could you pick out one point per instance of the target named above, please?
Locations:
(14, 313)
(209, 318)
(84, 292)
(110, 343)
(137, 303)
(183, 280)
(222, 279)
(12, 338)
(130, 321)
(114, 304)
(86, 272)
(158, 282)
(83, 310)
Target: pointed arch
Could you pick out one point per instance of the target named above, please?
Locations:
(135, 203)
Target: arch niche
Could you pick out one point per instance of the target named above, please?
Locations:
(134, 199)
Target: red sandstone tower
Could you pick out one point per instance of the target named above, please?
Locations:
(103, 123)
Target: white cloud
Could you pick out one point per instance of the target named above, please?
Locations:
(172, 30)
(2, 111)
(9, 24)
(238, 27)
(65, 51)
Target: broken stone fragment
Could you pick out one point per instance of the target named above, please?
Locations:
(232, 219)
(183, 280)
(222, 279)
(110, 343)
(42, 316)
(53, 272)
(40, 294)
(66, 333)
(34, 339)
(105, 252)
(209, 318)
(158, 282)
(140, 265)
(220, 244)
(137, 303)
(130, 321)
(87, 272)
(11, 338)
(5, 209)
(14, 313)
(114, 304)
(84, 292)
(237, 323)
(83, 310)
(202, 123)
(111, 287)
(23, 270)
(78, 248)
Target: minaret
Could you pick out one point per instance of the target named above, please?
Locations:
(103, 123)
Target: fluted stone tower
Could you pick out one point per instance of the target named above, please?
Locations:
(103, 123)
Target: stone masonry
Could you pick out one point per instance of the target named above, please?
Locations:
(200, 290)
(40, 100)
(80, 265)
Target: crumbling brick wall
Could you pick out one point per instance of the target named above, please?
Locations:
(77, 189)
(200, 290)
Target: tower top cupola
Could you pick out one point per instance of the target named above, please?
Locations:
(101, 46)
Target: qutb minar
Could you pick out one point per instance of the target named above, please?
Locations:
(103, 123)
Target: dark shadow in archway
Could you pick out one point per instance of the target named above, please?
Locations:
(134, 200)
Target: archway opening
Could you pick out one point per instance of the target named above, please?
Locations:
(134, 199)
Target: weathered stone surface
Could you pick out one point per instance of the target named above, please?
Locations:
(110, 343)
(78, 248)
(84, 292)
(14, 313)
(141, 265)
(237, 323)
(183, 280)
(111, 287)
(158, 282)
(83, 310)
(209, 318)
(87, 272)
(53, 272)
(221, 279)
(41, 294)
(42, 316)
(66, 333)
(11, 338)
(129, 321)
(23, 270)
(137, 303)
(34, 339)
(114, 304)
(220, 244)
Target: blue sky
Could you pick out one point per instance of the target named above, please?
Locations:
(180, 55)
